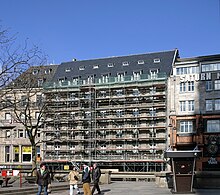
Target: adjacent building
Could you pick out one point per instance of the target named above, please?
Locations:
(194, 108)
(26, 91)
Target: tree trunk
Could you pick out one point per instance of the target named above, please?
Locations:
(34, 157)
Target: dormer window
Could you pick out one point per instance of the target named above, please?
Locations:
(125, 63)
(95, 66)
(153, 73)
(40, 82)
(110, 65)
(140, 61)
(82, 68)
(35, 71)
(61, 79)
(157, 60)
(48, 71)
(67, 69)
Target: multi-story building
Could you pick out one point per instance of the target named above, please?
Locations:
(15, 146)
(110, 110)
(194, 108)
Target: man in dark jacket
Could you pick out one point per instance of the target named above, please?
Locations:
(43, 179)
(86, 180)
(96, 174)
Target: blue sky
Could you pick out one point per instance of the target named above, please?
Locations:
(87, 29)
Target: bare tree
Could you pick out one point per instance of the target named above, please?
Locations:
(19, 88)
(15, 59)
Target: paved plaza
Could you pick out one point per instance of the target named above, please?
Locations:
(138, 188)
(115, 188)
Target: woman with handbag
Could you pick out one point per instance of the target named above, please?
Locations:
(73, 178)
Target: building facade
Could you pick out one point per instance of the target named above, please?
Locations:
(194, 108)
(26, 91)
(111, 111)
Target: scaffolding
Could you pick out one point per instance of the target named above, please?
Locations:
(119, 122)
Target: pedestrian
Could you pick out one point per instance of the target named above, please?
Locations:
(86, 180)
(43, 179)
(96, 174)
(73, 178)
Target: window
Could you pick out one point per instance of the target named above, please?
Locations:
(136, 92)
(152, 90)
(57, 147)
(95, 66)
(110, 65)
(191, 105)
(15, 133)
(182, 106)
(217, 84)
(119, 92)
(182, 87)
(105, 78)
(135, 112)
(213, 125)
(39, 100)
(217, 104)
(23, 100)
(48, 71)
(186, 126)
(81, 68)
(72, 96)
(20, 133)
(121, 76)
(119, 113)
(75, 80)
(90, 79)
(157, 60)
(140, 61)
(40, 82)
(190, 85)
(37, 114)
(8, 116)
(153, 73)
(210, 67)
(187, 70)
(125, 63)
(26, 153)
(35, 71)
(61, 80)
(7, 154)
(67, 69)
(209, 105)
(38, 133)
(7, 133)
(103, 113)
(16, 154)
(119, 147)
(137, 75)
(152, 111)
(209, 85)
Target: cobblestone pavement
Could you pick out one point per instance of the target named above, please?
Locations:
(139, 188)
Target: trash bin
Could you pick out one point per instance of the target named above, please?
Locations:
(183, 166)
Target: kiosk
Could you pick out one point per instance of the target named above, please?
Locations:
(183, 166)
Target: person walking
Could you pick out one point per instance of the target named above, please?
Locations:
(43, 179)
(96, 174)
(73, 178)
(86, 180)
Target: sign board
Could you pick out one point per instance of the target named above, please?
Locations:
(66, 167)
